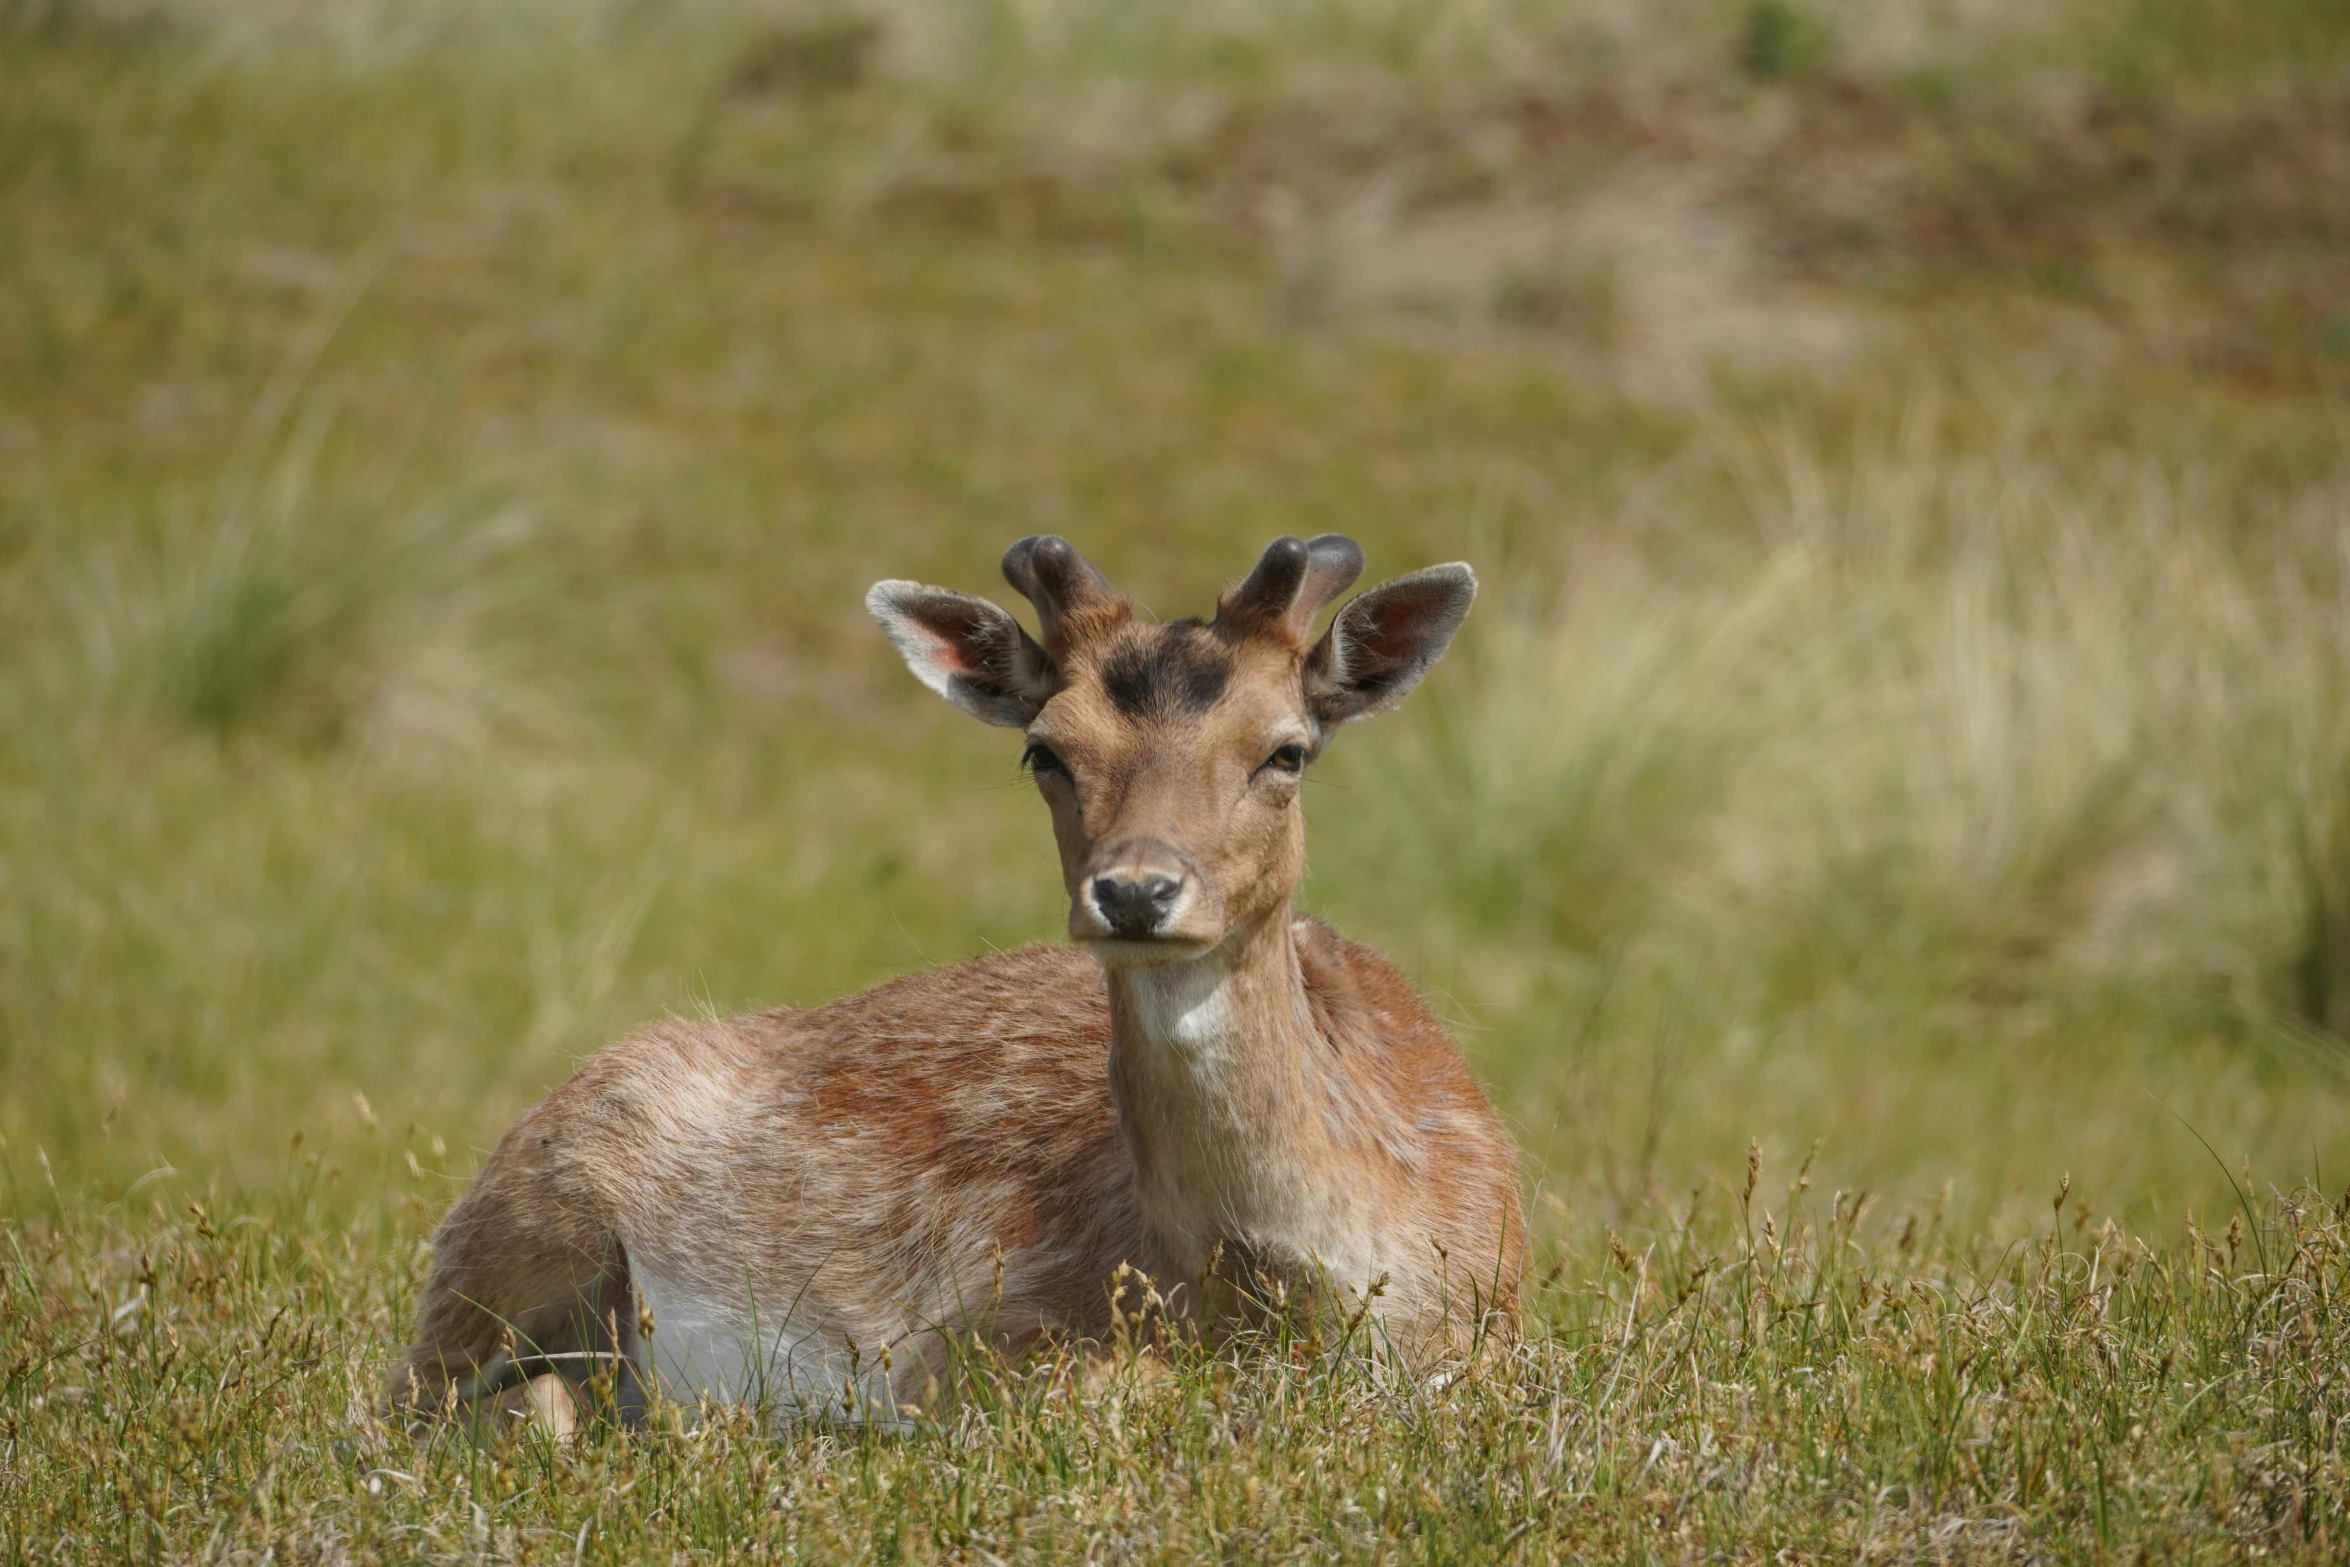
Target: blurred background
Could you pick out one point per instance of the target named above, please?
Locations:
(443, 447)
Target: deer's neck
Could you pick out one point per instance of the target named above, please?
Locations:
(1224, 1090)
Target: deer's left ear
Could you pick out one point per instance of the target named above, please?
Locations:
(1380, 645)
(967, 650)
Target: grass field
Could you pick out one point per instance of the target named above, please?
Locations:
(1905, 729)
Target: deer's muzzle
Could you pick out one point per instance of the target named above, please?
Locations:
(1143, 890)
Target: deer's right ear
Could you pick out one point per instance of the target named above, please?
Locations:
(1379, 646)
(967, 650)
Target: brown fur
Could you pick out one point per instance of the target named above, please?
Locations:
(983, 1148)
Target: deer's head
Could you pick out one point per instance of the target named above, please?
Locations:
(1171, 753)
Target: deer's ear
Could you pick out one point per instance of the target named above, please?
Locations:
(967, 650)
(1380, 645)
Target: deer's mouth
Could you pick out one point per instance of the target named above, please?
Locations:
(1133, 952)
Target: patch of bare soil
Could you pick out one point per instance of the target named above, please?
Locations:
(2210, 230)
(1658, 234)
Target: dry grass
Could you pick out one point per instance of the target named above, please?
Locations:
(1905, 784)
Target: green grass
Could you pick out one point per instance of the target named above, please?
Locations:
(442, 453)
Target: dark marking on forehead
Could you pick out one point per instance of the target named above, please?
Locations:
(1172, 669)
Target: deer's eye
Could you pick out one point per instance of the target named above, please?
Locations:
(1288, 759)
(1039, 760)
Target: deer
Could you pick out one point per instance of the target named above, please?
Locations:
(1206, 1101)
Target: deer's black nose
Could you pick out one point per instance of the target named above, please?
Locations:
(1134, 906)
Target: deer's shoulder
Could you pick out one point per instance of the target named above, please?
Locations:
(1356, 991)
(1370, 1011)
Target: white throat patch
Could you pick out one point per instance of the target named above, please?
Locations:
(1187, 1006)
